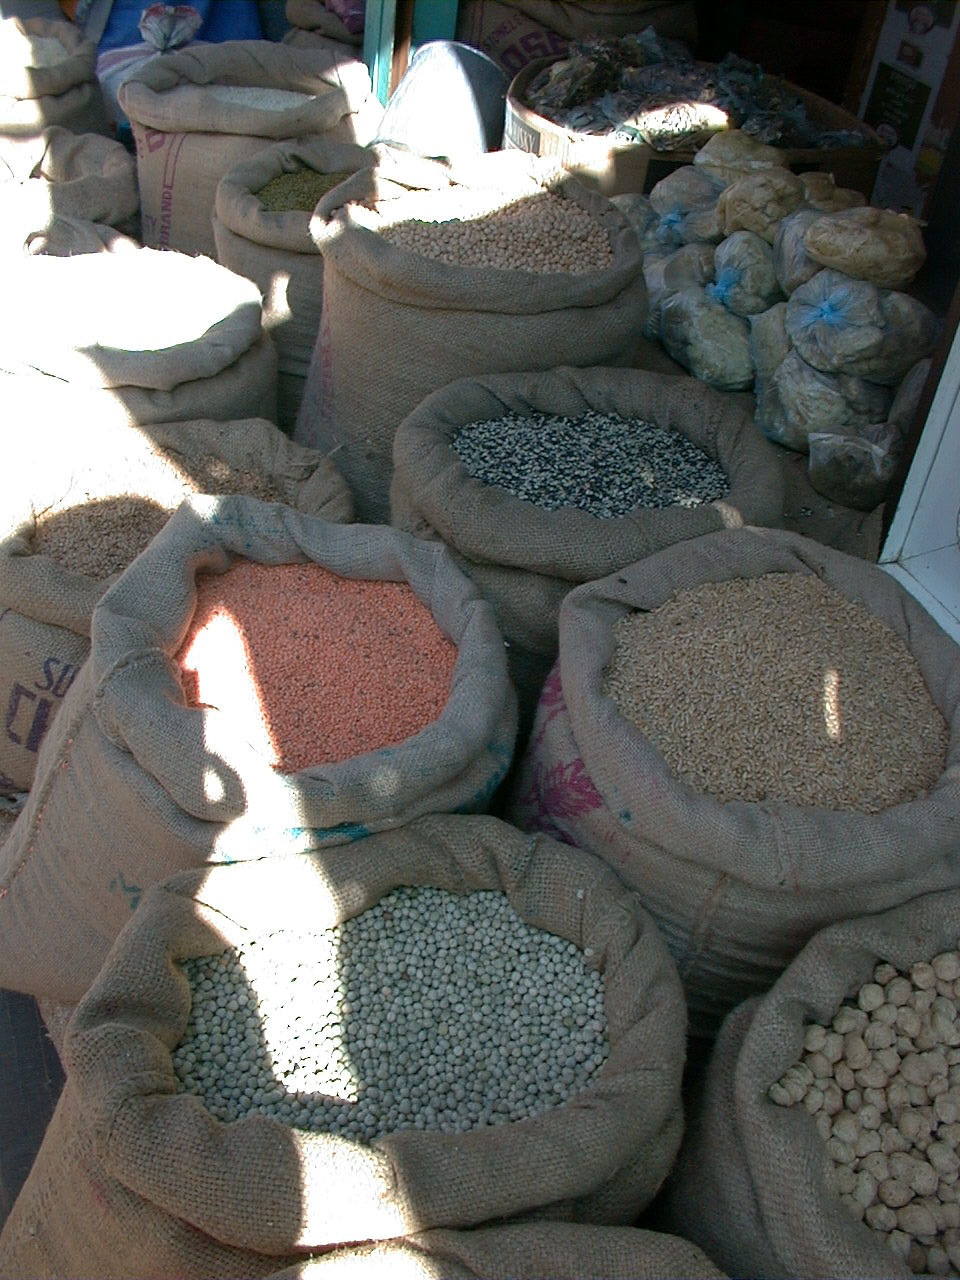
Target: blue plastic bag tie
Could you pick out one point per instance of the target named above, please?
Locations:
(832, 311)
(725, 281)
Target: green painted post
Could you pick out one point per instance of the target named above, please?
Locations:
(434, 20)
(378, 28)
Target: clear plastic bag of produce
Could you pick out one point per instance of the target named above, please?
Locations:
(702, 335)
(821, 192)
(744, 277)
(842, 325)
(731, 154)
(692, 264)
(642, 216)
(760, 202)
(878, 245)
(797, 399)
(686, 201)
(855, 467)
(769, 344)
(791, 262)
(907, 400)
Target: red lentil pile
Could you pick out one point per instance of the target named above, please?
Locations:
(313, 667)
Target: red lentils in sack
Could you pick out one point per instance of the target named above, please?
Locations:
(315, 668)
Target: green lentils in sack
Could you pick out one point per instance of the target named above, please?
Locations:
(429, 1010)
(779, 688)
(602, 463)
(301, 190)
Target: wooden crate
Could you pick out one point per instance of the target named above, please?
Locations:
(636, 167)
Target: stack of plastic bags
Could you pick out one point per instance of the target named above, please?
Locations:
(759, 277)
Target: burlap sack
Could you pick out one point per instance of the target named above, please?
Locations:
(246, 388)
(275, 251)
(45, 608)
(136, 338)
(126, 754)
(514, 34)
(397, 325)
(524, 1251)
(736, 888)
(135, 1179)
(188, 132)
(48, 78)
(63, 237)
(59, 173)
(751, 1185)
(524, 558)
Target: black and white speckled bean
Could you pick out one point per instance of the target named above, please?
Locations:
(602, 463)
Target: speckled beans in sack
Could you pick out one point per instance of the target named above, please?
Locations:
(738, 885)
(128, 752)
(524, 557)
(178, 1192)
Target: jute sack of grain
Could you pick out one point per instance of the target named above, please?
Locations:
(136, 1178)
(60, 173)
(136, 338)
(523, 1251)
(397, 324)
(737, 886)
(76, 523)
(525, 558)
(127, 751)
(514, 34)
(271, 245)
(755, 1185)
(48, 78)
(198, 113)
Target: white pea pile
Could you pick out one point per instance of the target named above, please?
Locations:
(779, 688)
(883, 1085)
(109, 513)
(602, 463)
(539, 232)
(429, 1010)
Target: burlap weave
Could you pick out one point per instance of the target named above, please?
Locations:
(65, 92)
(525, 558)
(45, 608)
(541, 1251)
(276, 252)
(397, 325)
(752, 1186)
(134, 1179)
(737, 888)
(59, 173)
(188, 136)
(133, 785)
